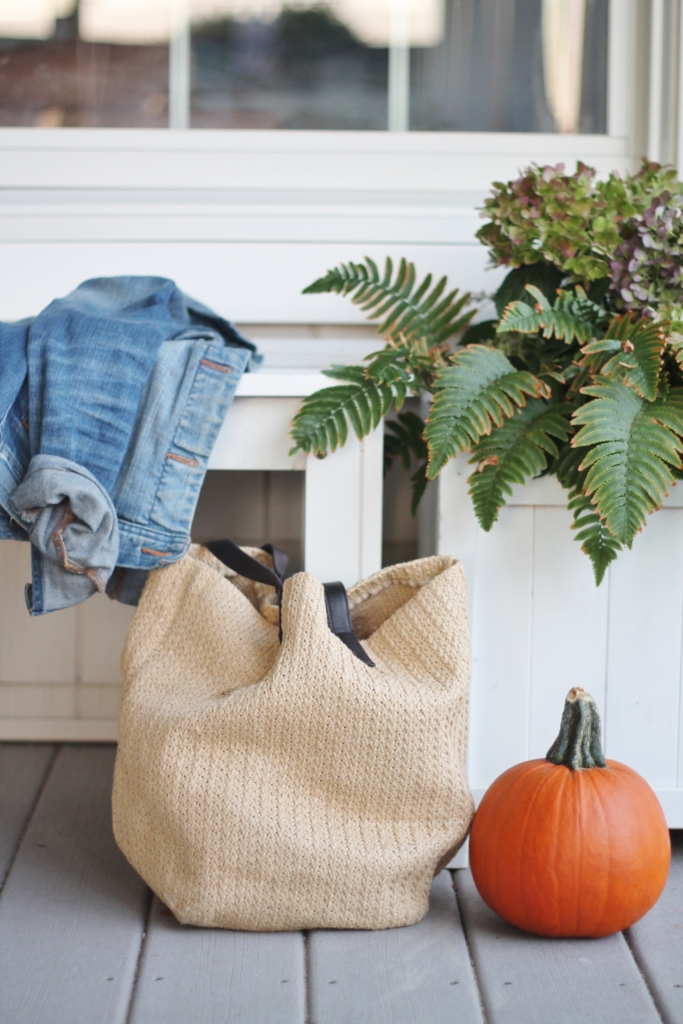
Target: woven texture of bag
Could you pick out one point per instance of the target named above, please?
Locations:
(271, 787)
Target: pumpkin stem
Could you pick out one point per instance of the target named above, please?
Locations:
(578, 744)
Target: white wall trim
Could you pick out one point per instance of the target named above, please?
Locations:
(254, 141)
(56, 730)
(619, 70)
(245, 220)
(656, 83)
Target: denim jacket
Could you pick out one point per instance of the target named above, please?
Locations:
(110, 403)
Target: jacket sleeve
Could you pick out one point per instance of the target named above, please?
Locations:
(71, 521)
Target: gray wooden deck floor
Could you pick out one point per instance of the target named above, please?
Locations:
(82, 940)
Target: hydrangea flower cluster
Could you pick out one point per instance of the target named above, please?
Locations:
(625, 231)
(647, 267)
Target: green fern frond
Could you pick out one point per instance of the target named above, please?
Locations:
(418, 482)
(596, 540)
(592, 312)
(566, 467)
(390, 365)
(404, 311)
(591, 531)
(633, 446)
(564, 320)
(637, 353)
(404, 440)
(479, 390)
(321, 423)
(515, 452)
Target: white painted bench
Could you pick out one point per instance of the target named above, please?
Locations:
(343, 493)
(59, 674)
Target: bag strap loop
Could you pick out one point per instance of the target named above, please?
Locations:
(336, 601)
(339, 620)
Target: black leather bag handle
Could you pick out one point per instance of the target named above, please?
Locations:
(336, 601)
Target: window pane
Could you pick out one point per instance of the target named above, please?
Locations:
(434, 65)
(514, 66)
(65, 65)
(277, 66)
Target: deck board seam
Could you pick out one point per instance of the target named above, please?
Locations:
(29, 817)
(307, 987)
(643, 974)
(470, 952)
(143, 939)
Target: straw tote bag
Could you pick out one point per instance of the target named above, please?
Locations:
(317, 781)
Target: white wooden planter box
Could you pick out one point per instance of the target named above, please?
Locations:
(541, 626)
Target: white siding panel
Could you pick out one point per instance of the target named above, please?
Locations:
(569, 640)
(500, 646)
(32, 650)
(547, 490)
(245, 281)
(644, 653)
(29, 701)
(457, 529)
(56, 730)
(333, 514)
(98, 702)
(103, 627)
(679, 771)
(450, 223)
(261, 160)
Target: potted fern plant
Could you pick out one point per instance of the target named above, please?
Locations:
(579, 374)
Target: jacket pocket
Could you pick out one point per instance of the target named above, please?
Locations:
(216, 375)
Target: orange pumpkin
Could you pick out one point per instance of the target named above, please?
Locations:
(571, 845)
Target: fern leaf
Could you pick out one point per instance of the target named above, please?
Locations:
(566, 467)
(633, 446)
(515, 452)
(587, 310)
(521, 317)
(638, 358)
(321, 423)
(390, 365)
(542, 303)
(561, 320)
(404, 440)
(400, 390)
(346, 278)
(355, 374)
(479, 390)
(591, 531)
(596, 540)
(404, 312)
(418, 483)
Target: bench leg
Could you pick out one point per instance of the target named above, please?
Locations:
(343, 511)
